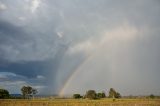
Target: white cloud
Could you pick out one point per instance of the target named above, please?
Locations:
(7, 74)
(60, 34)
(121, 33)
(3, 6)
(13, 82)
(39, 87)
(22, 18)
(83, 47)
(34, 5)
(40, 77)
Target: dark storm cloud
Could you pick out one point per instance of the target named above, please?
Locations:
(29, 50)
(10, 34)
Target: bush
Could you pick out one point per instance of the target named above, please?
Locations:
(28, 91)
(114, 94)
(118, 95)
(90, 94)
(101, 95)
(4, 94)
(152, 96)
(77, 96)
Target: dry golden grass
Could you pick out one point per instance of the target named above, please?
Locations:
(81, 102)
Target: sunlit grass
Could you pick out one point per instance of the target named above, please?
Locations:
(81, 102)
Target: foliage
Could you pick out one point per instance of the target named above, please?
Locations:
(101, 95)
(4, 94)
(28, 91)
(34, 92)
(152, 96)
(77, 96)
(114, 94)
(90, 94)
(118, 95)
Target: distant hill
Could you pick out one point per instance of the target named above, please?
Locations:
(16, 95)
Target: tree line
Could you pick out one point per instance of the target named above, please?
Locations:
(91, 94)
(27, 93)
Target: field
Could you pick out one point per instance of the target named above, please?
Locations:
(81, 102)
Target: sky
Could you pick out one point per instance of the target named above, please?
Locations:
(70, 46)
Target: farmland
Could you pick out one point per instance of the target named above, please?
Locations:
(81, 102)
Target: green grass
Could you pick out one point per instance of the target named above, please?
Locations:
(81, 102)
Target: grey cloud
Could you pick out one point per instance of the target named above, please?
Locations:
(14, 82)
(17, 45)
(2, 7)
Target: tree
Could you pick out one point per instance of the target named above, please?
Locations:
(34, 92)
(101, 95)
(118, 95)
(77, 96)
(114, 94)
(152, 96)
(4, 94)
(90, 94)
(28, 91)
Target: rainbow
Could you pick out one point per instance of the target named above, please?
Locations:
(62, 91)
(78, 69)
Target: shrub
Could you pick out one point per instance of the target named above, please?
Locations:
(77, 96)
(101, 95)
(90, 94)
(152, 96)
(4, 94)
(114, 94)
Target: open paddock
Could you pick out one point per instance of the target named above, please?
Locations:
(81, 102)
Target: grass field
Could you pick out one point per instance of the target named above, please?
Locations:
(81, 102)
